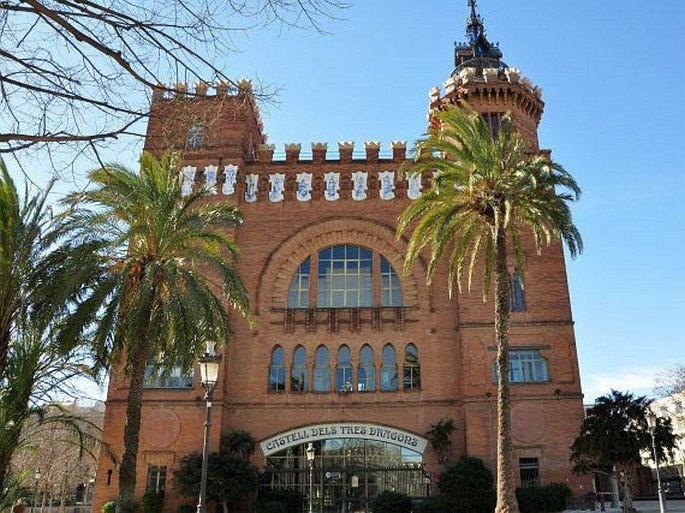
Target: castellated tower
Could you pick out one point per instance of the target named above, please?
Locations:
(349, 354)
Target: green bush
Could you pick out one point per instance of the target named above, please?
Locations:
(292, 500)
(153, 502)
(468, 486)
(268, 506)
(109, 507)
(550, 498)
(391, 502)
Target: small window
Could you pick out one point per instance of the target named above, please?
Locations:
(389, 369)
(493, 120)
(517, 295)
(411, 368)
(526, 366)
(277, 370)
(162, 378)
(391, 290)
(195, 136)
(529, 470)
(322, 371)
(343, 370)
(366, 374)
(299, 374)
(156, 478)
(298, 294)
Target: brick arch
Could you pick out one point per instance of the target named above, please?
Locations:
(287, 256)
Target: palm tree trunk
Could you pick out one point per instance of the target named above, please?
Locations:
(506, 486)
(134, 402)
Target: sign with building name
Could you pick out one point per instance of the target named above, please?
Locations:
(364, 431)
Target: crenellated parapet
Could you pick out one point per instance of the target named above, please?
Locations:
(220, 116)
(490, 87)
(373, 152)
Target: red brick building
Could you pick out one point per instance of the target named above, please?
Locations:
(348, 353)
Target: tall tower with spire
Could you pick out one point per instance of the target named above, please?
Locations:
(488, 84)
(547, 406)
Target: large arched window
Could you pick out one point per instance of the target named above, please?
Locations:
(343, 370)
(299, 373)
(389, 369)
(391, 290)
(366, 373)
(322, 371)
(277, 370)
(298, 294)
(411, 369)
(345, 279)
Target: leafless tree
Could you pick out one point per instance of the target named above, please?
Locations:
(671, 380)
(79, 73)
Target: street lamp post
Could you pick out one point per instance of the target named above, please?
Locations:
(209, 372)
(651, 424)
(36, 480)
(311, 453)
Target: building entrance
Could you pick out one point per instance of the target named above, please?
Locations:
(348, 473)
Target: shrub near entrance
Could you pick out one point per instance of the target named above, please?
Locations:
(391, 502)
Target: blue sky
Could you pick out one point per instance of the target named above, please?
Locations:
(610, 70)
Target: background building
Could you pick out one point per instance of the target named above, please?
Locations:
(349, 353)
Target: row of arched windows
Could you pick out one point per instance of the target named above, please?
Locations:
(342, 376)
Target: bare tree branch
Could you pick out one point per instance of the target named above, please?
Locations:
(75, 74)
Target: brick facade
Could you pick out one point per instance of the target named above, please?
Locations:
(454, 337)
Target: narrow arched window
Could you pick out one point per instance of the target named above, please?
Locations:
(298, 293)
(322, 371)
(389, 369)
(391, 290)
(299, 374)
(517, 295)
(343, 370)
(277, 370)
(366, 373)
(411, 369)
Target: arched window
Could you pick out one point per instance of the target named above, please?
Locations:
(517, 295)
(389, 369)
(366, 373)
(526, 366)
(411, 368)
(277, 370)
(299, 374)
(343, 370)
(322, 371)
(345, 279)
(298, 293)
(391, 290)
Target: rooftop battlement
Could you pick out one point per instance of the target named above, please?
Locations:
(292, 153)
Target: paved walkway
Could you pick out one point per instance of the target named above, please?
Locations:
(672, 506)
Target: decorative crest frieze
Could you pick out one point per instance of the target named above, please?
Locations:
(386, 181)
(188, 179)
(210, 179)
(304, 186)
(276, 187)
(331, 186)
(251, 187)
(230, 179)
(359, 185)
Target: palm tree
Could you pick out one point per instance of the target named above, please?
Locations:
(439, 437)
(21, 247)
(485, 192)
(157, 274)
